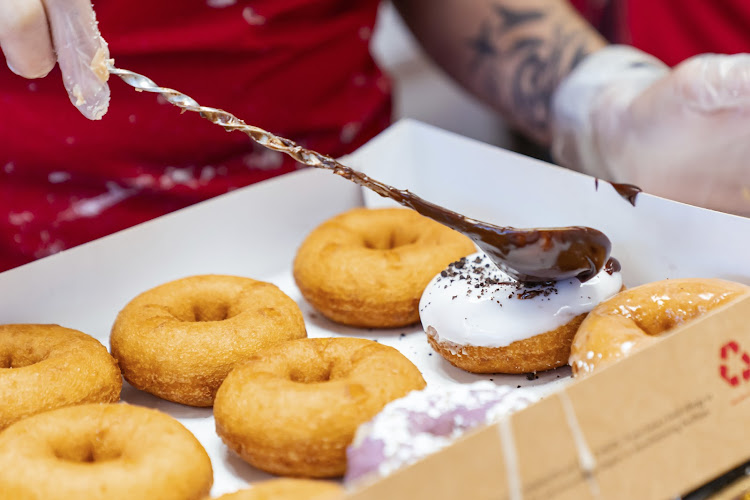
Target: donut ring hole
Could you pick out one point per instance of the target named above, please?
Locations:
(205, 307)
(87, 447)
(315, 374)
(21, 358)
(325, 365)
(90, 454)
(389, 239)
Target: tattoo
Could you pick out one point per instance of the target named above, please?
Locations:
(482, 45)
(512, 18)
(538, 64)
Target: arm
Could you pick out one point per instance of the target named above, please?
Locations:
(510, 53)
(611, 111)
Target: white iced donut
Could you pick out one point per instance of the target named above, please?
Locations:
(423, 422)
(483, 321)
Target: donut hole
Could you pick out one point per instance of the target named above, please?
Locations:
(201, 310)
(211, 312)
(21, 359)
(312, 374)
(389, 240)
(86, 451)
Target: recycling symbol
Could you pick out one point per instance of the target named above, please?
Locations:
(732, 349)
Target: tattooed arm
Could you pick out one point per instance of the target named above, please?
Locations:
(511, 53)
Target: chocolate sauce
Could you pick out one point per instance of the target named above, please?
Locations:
(527, 255)
(627, 191)
(612, 266)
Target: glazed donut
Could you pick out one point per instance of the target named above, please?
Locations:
(368, 267)
(288, 489)
(43, 367)
(423, 422)
(482, 321)
(102, 452)
(292, 409)
(638, 317)
(179, 340)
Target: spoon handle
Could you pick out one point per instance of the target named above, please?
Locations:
(289, 147)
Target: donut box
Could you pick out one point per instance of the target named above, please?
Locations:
(657, 425)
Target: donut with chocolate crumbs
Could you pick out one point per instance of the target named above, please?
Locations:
(368, 267)
(483, 321)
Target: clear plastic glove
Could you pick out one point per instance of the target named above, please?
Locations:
(682, 133)
(34, 34)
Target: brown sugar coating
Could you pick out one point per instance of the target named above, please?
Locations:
(369, 267)
(179, 340)
(541, 352)
(289, 489)
(293, 408)
(102, 452)
(640, 316)
(43, 367)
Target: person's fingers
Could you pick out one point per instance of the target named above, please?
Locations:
(714, 82)
(81, 53)
(25, 38)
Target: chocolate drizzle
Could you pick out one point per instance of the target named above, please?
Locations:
(627, 191)
(528, 255)
(612, 266)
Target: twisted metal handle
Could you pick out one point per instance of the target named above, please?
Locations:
(532, 255)
(257, 134)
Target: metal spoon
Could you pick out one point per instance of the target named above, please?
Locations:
(528, 255)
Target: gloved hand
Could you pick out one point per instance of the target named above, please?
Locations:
(75, 44)
(681, 133)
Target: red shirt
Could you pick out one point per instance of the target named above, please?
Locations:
(673, 30)
(298, 68)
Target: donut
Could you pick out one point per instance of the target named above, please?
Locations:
(43, 367)
(292, 409)
(368, 267)
(640, 316)
(483, 321)
(179, 340)
(288, 489)
(102, 452)
(423, 422)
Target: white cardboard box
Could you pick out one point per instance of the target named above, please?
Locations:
(255, 232)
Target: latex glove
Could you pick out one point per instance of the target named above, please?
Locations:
(34, 34)
(683, 133)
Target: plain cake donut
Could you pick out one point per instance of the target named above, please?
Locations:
(640, 316)
(292, 409)
(102, 452)
(288, 489)
(179, 340)
(483, 321)
(43, 367)
(368, 267)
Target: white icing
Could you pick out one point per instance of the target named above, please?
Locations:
(493, 315)
(403, 445)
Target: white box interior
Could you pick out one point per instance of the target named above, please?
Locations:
(255, 232)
